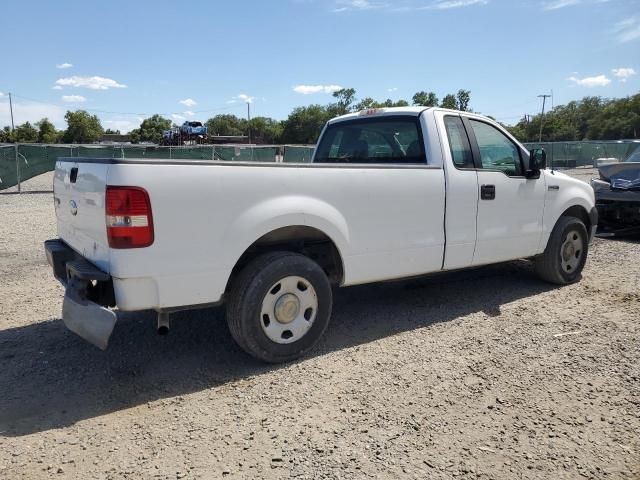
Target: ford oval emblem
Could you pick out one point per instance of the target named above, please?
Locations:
(74, 207)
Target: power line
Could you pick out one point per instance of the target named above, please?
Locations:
(139, 114)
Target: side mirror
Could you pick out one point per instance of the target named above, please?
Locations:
(537, 162)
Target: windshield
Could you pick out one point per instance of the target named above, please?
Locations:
(372, 140)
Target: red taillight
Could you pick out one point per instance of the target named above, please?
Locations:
(128, 216)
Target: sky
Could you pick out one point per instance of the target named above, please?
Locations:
(125, 60)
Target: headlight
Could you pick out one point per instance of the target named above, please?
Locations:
(599, 185)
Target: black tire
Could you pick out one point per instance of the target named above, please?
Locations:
(249, 289)
(549, 265)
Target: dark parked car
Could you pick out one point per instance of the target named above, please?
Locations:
(618, 196)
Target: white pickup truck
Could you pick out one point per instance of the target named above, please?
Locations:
(390, 193)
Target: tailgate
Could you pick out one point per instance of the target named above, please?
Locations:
(79, 196)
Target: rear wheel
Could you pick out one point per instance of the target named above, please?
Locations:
(279, 306)
(566, 253)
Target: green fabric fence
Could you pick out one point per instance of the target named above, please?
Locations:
(298, 154)
(8, 170)
(35, 159)
(24, 161)
(582, 154)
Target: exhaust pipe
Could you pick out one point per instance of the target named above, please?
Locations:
(163, 323)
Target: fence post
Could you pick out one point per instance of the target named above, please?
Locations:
(18, 168)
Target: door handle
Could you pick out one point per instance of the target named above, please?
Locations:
(488, 192)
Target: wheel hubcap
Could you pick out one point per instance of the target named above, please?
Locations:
(289, 309)
(571, 251)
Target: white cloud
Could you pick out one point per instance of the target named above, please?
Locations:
(92, 83)
(31, 112)
(243, 97)
(628, 30)
(590, 82)
(125, 126)
(1, 94)
(62, 66)
(556, 4)
(56, 87)
(447, 4)
(73, 98)
(310, 89)
(188, 102)
(345, 5)
(392, 89)
(176, 116)
(403, 6)
(189, 113)
(623, 74)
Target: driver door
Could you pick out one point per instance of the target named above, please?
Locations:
(510, 206)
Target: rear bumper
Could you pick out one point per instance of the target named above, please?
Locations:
(88, 293)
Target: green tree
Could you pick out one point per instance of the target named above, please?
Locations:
(449, 101)
(26, 133)
(345, 98)
(150, 129)
(266, 130)
(82, 127)
(369, 102)
(425, 99)
(6, 136)
(463, 98)
(227, 125)
(109, 131)
(47, 132)
(592, 118)
(305, 123)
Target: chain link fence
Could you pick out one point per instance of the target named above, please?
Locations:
(21, 162)
(585, 154)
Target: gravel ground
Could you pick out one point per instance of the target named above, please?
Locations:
(481, 374)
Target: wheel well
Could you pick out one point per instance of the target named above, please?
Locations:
(307, 241)
(578, 212)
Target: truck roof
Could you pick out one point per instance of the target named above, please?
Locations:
(377, 112)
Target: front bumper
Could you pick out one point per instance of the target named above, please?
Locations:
(88, 293)
(619, 210)
(593, 220)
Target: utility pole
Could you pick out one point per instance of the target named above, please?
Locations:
(11, 109)
(544, 100)
(249, 120)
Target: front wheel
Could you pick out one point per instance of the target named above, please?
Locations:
(566, 253)
(279, 306)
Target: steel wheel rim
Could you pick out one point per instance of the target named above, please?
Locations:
(289, 309)
(571, 251)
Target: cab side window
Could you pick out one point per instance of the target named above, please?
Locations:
(458, 142)
(497, 151)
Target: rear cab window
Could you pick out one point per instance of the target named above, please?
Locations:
(384, 140)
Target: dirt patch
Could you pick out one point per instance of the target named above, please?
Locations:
(488, 373)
